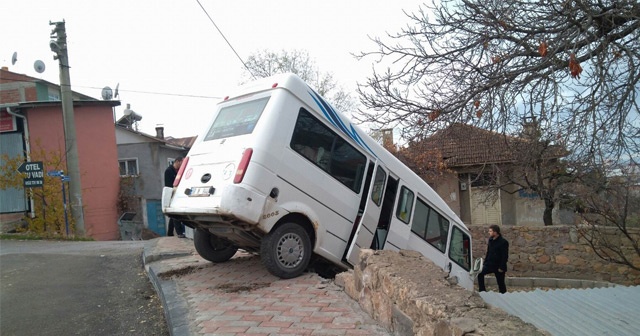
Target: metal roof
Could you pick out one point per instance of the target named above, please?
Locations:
(595, 311)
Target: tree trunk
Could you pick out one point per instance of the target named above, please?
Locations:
(547, 217)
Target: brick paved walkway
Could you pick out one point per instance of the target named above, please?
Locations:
(240, 297)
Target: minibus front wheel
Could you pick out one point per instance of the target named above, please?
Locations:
(211, 247)
(286, 250)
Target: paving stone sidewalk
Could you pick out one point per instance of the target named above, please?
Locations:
(240, 297)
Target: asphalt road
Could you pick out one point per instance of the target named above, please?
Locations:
(77, 288)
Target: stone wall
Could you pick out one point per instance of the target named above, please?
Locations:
(409, 295)
(558, 252)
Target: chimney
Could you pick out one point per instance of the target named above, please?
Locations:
(160, 132)
(387, 137)
(530, 128)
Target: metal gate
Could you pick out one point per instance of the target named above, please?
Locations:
(12, 199)
(155, 217)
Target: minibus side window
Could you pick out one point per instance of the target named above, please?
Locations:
(324, 148)
(405, 204)
(237, 119)
(378, 186)
(429, 225)
(459, 252)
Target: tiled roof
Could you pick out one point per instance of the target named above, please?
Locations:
(462, 145)
(183, 142)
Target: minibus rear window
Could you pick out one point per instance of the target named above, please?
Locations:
(237, 119)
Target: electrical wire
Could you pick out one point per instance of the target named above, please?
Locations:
(156, 93)
(120, 90)
(225, 38)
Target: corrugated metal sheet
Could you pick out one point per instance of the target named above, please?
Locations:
(597, 311)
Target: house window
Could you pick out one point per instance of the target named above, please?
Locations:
(482, 180)
(128, 167)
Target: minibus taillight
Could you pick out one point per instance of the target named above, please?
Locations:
(183, 166)
(242, 167)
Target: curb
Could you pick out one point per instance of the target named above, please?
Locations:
(175, 307)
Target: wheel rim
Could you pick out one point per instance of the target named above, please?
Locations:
(290, 250)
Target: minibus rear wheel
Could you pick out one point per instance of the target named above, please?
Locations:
(211, 247)
(286, 250)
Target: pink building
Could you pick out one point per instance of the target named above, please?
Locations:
(32, 112)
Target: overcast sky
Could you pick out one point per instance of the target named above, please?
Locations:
(172, 64)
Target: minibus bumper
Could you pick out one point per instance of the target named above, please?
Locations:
(243, 204)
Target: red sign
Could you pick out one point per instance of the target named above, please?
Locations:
(7, 122)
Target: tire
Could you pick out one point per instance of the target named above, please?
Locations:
(286, 251)
(211, 247)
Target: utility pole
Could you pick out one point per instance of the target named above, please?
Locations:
(59, 47)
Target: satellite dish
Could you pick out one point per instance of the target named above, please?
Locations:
(14, 58)
(116, 95)
(107, 94)
(39, 66)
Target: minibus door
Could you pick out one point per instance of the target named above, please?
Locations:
(370, 216)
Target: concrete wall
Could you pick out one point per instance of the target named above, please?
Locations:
(409, 295)
(152, 156)
(448, 187)
(517, 208)
(558, 252)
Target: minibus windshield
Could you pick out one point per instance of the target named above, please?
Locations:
(236, 119)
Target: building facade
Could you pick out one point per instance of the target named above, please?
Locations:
(32, 128)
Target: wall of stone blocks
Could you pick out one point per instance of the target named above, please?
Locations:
(560, 252)
(409, 295)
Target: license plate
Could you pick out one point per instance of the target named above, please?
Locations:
(200, 191)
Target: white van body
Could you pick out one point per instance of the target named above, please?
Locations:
(307, 183)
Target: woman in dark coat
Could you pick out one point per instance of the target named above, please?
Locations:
(496, 260)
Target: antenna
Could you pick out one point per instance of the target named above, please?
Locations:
(39, 66)
(116, 95)
(107, 94)
(14, 58)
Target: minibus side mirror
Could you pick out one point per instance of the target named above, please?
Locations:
(477, 266)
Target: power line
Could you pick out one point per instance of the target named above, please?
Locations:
(155, 93)
(230, 46)
(120, 90)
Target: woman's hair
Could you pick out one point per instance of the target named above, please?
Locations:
(495, 228)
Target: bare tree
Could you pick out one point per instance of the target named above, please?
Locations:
(266, 63)
(609, 203)
(573, 64)
(536, 166)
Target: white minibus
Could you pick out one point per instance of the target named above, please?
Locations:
(279, 172)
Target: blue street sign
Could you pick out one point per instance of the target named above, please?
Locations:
(55, 173)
